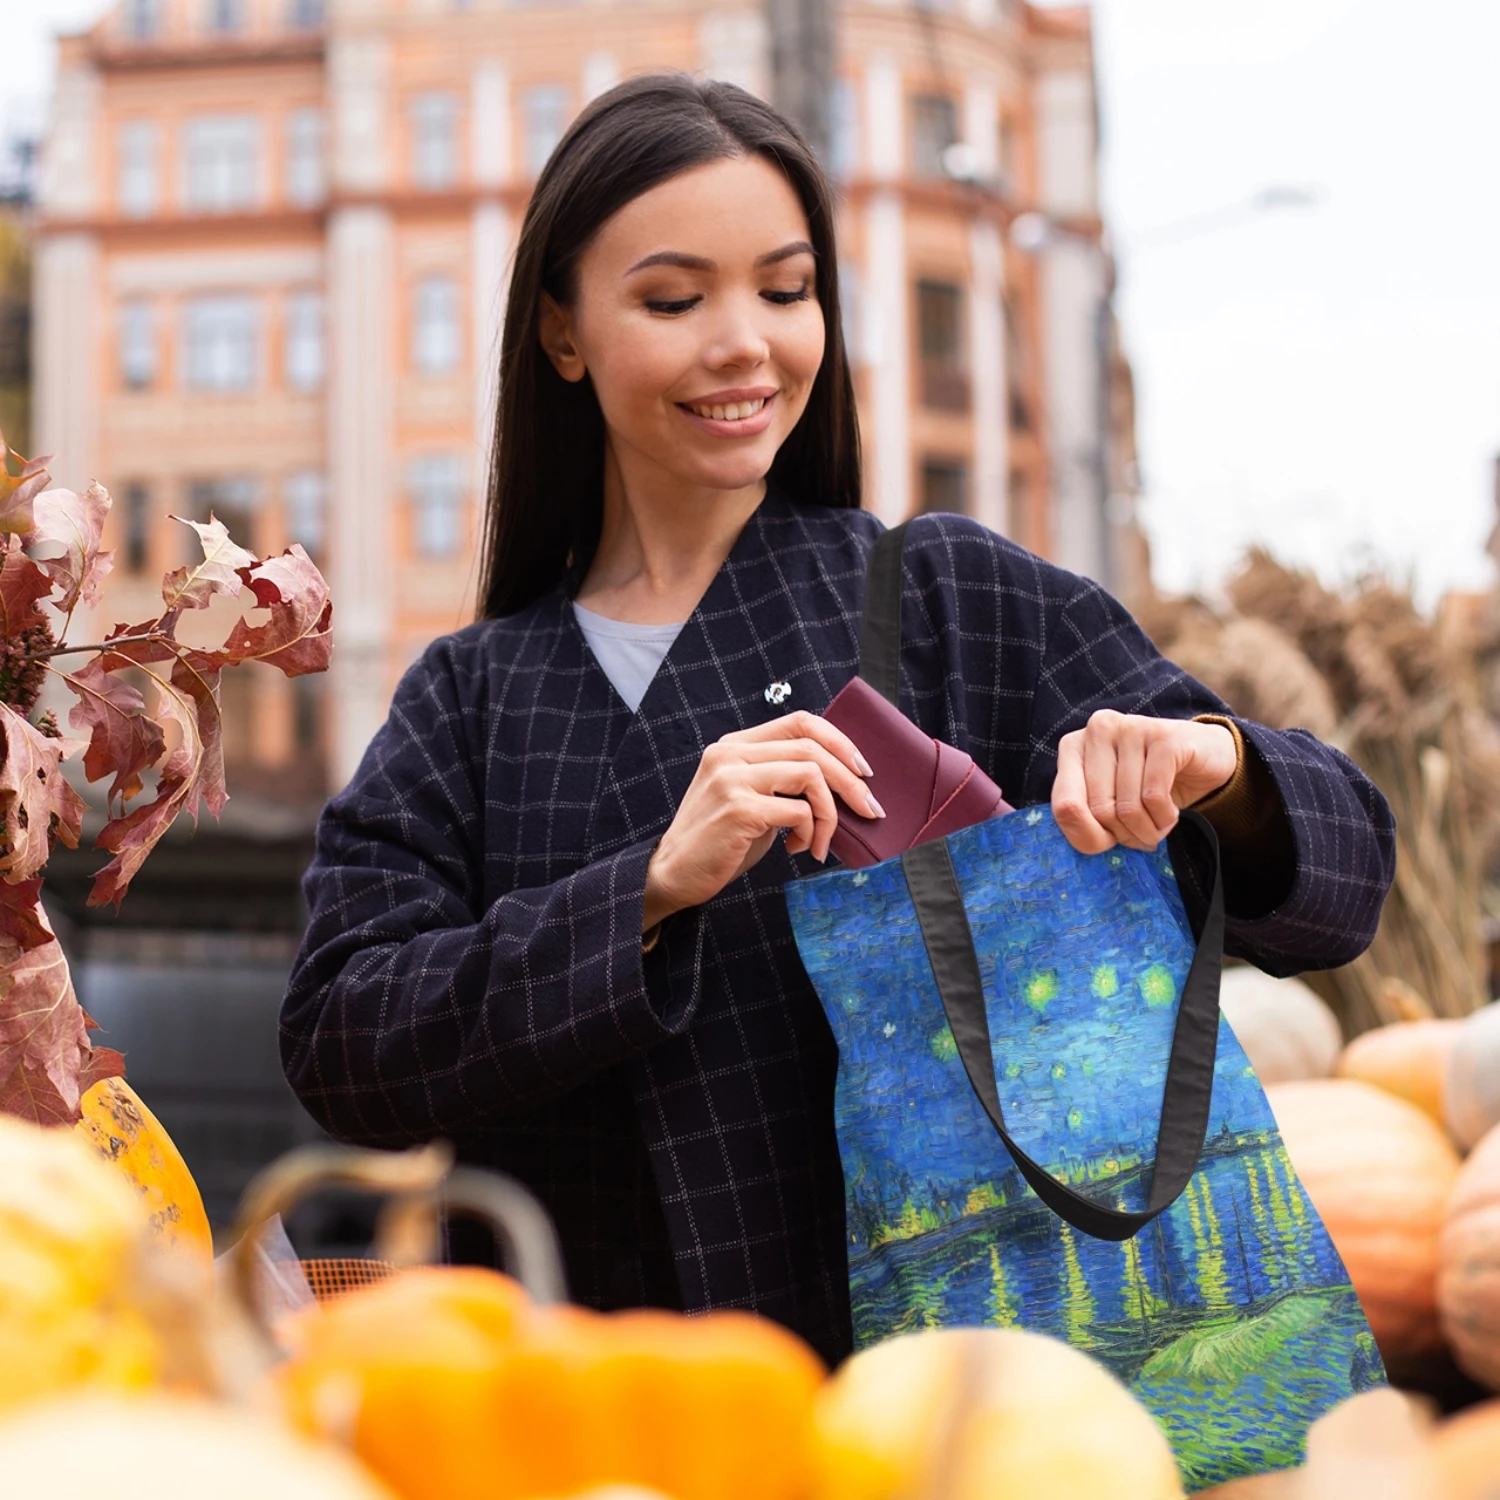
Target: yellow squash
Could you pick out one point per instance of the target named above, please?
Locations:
(72, 1237)
(123, 1131)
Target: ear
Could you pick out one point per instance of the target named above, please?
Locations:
(559, 341)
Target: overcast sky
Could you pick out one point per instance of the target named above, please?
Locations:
(1326, 380)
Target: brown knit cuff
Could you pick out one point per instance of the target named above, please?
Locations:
(1237, 809)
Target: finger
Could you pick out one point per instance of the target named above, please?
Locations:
(1133, 825)
(1157, 780)
(803, 725)
(846, 783)
(1101, 775)
(793, 814)
(800, 779)
(1070, 805)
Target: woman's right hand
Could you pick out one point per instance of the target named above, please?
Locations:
(748, 787)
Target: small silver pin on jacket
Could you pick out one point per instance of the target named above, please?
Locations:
(778, 693)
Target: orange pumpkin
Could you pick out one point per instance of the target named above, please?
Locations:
(404, 1373)
(451, 1386)
(1379, 1172)
(127, 1135)
(716, 1407)
(1408, 1059)
(1467, 1454)
(1469, 1279)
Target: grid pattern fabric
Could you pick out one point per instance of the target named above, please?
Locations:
(332, 1277)
(472, 967)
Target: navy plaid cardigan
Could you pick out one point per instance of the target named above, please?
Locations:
(472, 968)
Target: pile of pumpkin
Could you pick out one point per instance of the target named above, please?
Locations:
(121, 1373)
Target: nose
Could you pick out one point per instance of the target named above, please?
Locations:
(738, 338)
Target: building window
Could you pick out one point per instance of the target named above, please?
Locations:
(940, 343)
(304, 15)
(934, 127)
(134, 502)
(304, 341)
(435, 482)
(945, 485)
(436, 342)
(224, 17)
(142, 19)
(221, 338)
(222, 161)
(546, 111)
(137, 344)
(305, 184)
(434, 140)
(843, 130)
(138, 154)
(305, 510)
(230, 500)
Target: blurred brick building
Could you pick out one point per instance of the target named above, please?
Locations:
(272, 240)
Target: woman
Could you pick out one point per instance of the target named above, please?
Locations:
(546, 914)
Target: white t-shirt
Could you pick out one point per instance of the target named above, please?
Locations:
(629, 654)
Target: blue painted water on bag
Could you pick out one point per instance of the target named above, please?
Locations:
(1231, 1315)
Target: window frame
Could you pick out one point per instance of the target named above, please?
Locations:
(138, 344)
(437, 495)
(221, 177)
(198, 377)
(437, 340)
(304, 344)
(435, 161)
(305, 156)
(138, 168)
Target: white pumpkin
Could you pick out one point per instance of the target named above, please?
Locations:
(152, 1447)
(1471, 1092)
(986, 1414)
(1287, 1032)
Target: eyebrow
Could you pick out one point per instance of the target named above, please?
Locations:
(687, 262)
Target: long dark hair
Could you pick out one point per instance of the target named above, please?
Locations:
(545, 505)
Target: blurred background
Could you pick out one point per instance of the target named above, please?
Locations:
(1141, 285)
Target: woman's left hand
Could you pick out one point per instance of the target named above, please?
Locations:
(1123, 777)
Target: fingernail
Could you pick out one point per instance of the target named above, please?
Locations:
(876, 810)
(864, 766)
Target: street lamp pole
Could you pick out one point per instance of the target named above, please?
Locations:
(802, 65)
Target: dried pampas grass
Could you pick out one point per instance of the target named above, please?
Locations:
(1367, 671)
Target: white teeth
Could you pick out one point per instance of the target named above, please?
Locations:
(736, 411)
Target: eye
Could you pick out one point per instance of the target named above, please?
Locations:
(681, 305)
(785, 299)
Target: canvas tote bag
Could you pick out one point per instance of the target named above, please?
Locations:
(1045, 1122)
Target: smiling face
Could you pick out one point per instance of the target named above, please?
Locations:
(695, 314)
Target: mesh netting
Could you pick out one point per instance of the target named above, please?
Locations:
(332, 1278)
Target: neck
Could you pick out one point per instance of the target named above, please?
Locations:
(661, 543)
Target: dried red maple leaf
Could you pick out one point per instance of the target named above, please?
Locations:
(22, 584)
(75, 524)
(192, 775)
(218, 573)
(22, 925)
(298, 637)
(36, 802)
(123, 737)
(19, 490)
(46, 1062)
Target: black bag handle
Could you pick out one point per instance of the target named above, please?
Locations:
(1188, 1091)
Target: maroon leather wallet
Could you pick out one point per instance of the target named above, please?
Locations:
(927, 788)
